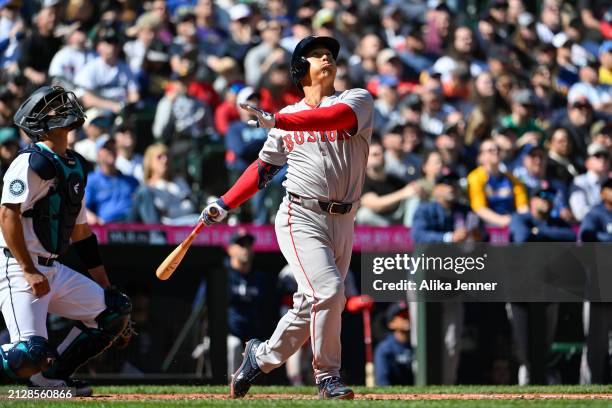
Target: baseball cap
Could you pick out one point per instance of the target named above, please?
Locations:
(387, 80)
(8, 135)
(245, 94)
(397, 309)
(595, 149)
(184, 14)
(323, 17)
(98, 117)
(450, 179)
(411, 101)
(546, 193)
(606, 46)
(108, 34)
(385, 56)
(239, 11)
(525, 19)
(523, 97)
(242, 237)
(50, 3)
(149, 20)
(532, 150)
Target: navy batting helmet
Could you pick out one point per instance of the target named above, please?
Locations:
(299, 63)
(49, 107)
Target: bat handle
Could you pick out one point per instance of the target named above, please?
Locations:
(213, 212)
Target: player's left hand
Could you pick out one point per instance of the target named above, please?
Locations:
(264, 119)
(38, 282)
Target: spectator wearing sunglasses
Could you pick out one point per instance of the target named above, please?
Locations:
(585, 190)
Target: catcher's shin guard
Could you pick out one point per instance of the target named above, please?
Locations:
(84, 343)
(25, 359)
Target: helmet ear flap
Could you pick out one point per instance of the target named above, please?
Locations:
(299, 70)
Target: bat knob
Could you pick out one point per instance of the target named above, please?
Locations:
(213, 212)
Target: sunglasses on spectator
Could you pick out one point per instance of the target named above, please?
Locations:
(602, 155)
(581, 105)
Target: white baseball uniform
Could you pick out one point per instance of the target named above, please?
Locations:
(71, 295)
(326, 166)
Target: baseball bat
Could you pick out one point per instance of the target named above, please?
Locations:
(168, 266)
(367, 337)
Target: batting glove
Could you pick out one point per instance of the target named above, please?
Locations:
(214, 212)
(264, 119)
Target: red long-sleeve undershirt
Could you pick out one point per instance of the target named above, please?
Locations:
(335, 117)
(339, 116)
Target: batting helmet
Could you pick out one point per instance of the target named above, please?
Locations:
(49, 107)
(299, 63)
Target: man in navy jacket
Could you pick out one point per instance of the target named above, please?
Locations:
(597, 227)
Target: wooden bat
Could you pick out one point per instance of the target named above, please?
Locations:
(168, 266)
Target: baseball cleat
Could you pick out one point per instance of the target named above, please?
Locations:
(248, 371)
(334, 388)
(82, 389)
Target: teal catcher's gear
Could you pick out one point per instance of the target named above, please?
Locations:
(54, 216)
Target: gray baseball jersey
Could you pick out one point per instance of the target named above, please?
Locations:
(327, 166)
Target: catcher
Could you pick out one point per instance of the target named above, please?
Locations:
(42, 213)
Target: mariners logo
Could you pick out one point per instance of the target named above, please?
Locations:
(17, 187)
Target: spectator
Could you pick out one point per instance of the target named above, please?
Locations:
(277, 89)
(412, 150)
(386, 103)
(39, 47)
(227, 111)
(9, 146)
(599, 96)
(108, 193)
(597, 227)
(144, 32)
(383, 199)
(96, 127)
(393, 145)
(561, 164)
(241, 32)
(107, 82)
(180, 118)
(251, 296)
(586, 188)
(393, 356)
(578, 121)
(532, 173)
(72, 57)
(262, 57)
(362, 64)
(435, 109)
(494, 195)
(522, 119)
(11, 32)
(446, 220)
(243, 144)
(461, 52)
(433, 167)
(163, 198)
(210, 19)
(300, 30)
(128, 161)
(413, 53)
(536, 226)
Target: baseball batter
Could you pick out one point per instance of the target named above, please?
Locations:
(324, 140)
(41, 215)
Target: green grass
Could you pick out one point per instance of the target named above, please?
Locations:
(192, 403)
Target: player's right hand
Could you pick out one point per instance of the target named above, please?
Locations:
(214, 212)
(38, 282)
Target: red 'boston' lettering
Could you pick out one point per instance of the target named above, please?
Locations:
(298, 137)
(311, 138)
(323, 136)
(288, 142)
(332, 135)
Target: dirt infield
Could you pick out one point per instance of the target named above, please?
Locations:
(372, 397)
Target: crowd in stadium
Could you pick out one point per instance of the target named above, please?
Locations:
(501, 108)
(165, 77)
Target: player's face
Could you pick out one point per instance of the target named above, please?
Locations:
(322, 65)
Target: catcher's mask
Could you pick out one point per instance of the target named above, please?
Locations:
(49, 107)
